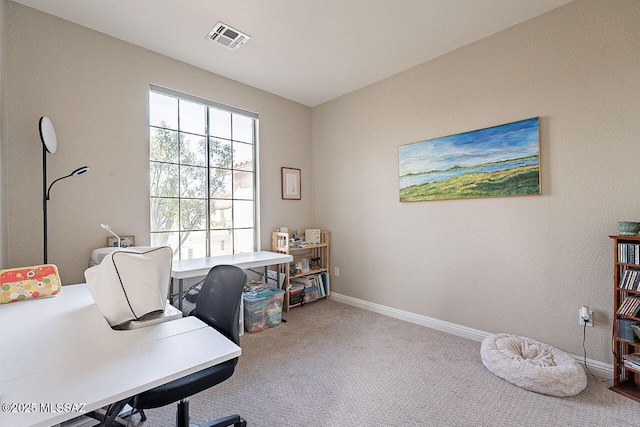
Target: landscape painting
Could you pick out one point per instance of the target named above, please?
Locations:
(497, 161)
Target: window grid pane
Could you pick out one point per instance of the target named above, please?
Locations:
(202, 178)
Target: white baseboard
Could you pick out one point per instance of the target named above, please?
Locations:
(603, 371)
(600, 369)
(430, 322)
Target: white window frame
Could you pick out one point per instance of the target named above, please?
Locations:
(256, 182)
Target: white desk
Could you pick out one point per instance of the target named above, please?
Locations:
(189, 268)
(62, 350)
(199, 267)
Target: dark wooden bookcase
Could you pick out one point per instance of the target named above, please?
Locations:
(626, 379)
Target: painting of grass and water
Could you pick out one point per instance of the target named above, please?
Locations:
(498, 161)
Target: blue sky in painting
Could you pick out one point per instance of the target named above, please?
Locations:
(504, 142)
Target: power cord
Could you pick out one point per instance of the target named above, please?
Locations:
(584, 347)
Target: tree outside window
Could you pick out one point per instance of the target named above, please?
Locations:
(202, 177)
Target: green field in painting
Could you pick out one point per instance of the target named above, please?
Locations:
(515, 181)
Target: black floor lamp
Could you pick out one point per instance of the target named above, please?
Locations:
(50, 144)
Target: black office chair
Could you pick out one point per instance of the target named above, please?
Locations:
(218, 305)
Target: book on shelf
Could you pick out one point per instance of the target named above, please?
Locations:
(634, 307)
(312, 236)
(632, 360)
(630, 306)
(632, 365)
(624, 279)
(629, 253)
(630, 280)
(319, 285)
(624, 306)
(320, 281)
(632, 357)
(325, 281)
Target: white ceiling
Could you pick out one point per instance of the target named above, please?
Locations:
(309, 51)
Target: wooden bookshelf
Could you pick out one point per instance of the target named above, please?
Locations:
(626, 256)
(281, 243)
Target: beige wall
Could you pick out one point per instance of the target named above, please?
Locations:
(521, 265)
(95, 90)
(3, 138)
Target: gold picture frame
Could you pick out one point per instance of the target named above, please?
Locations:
(125, 242)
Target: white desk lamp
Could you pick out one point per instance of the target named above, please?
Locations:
(106, 227)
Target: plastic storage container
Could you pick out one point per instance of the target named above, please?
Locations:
(274, 311)
(295, 297)
(262, 310)
(310, 293)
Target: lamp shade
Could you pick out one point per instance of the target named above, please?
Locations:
(48, 134)
(80, 171)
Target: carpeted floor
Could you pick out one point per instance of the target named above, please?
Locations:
(336, 365)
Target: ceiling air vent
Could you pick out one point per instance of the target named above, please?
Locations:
(227, 36)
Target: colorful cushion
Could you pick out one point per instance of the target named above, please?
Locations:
(17, 284)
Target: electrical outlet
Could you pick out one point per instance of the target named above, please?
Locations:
(589, 322)
(336, 271)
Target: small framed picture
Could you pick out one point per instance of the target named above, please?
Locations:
(291, 184)
(125, 241)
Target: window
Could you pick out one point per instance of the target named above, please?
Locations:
(202, 176)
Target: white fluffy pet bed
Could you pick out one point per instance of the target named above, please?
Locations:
(533, 365)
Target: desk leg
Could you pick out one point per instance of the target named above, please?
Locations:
(285, 302)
